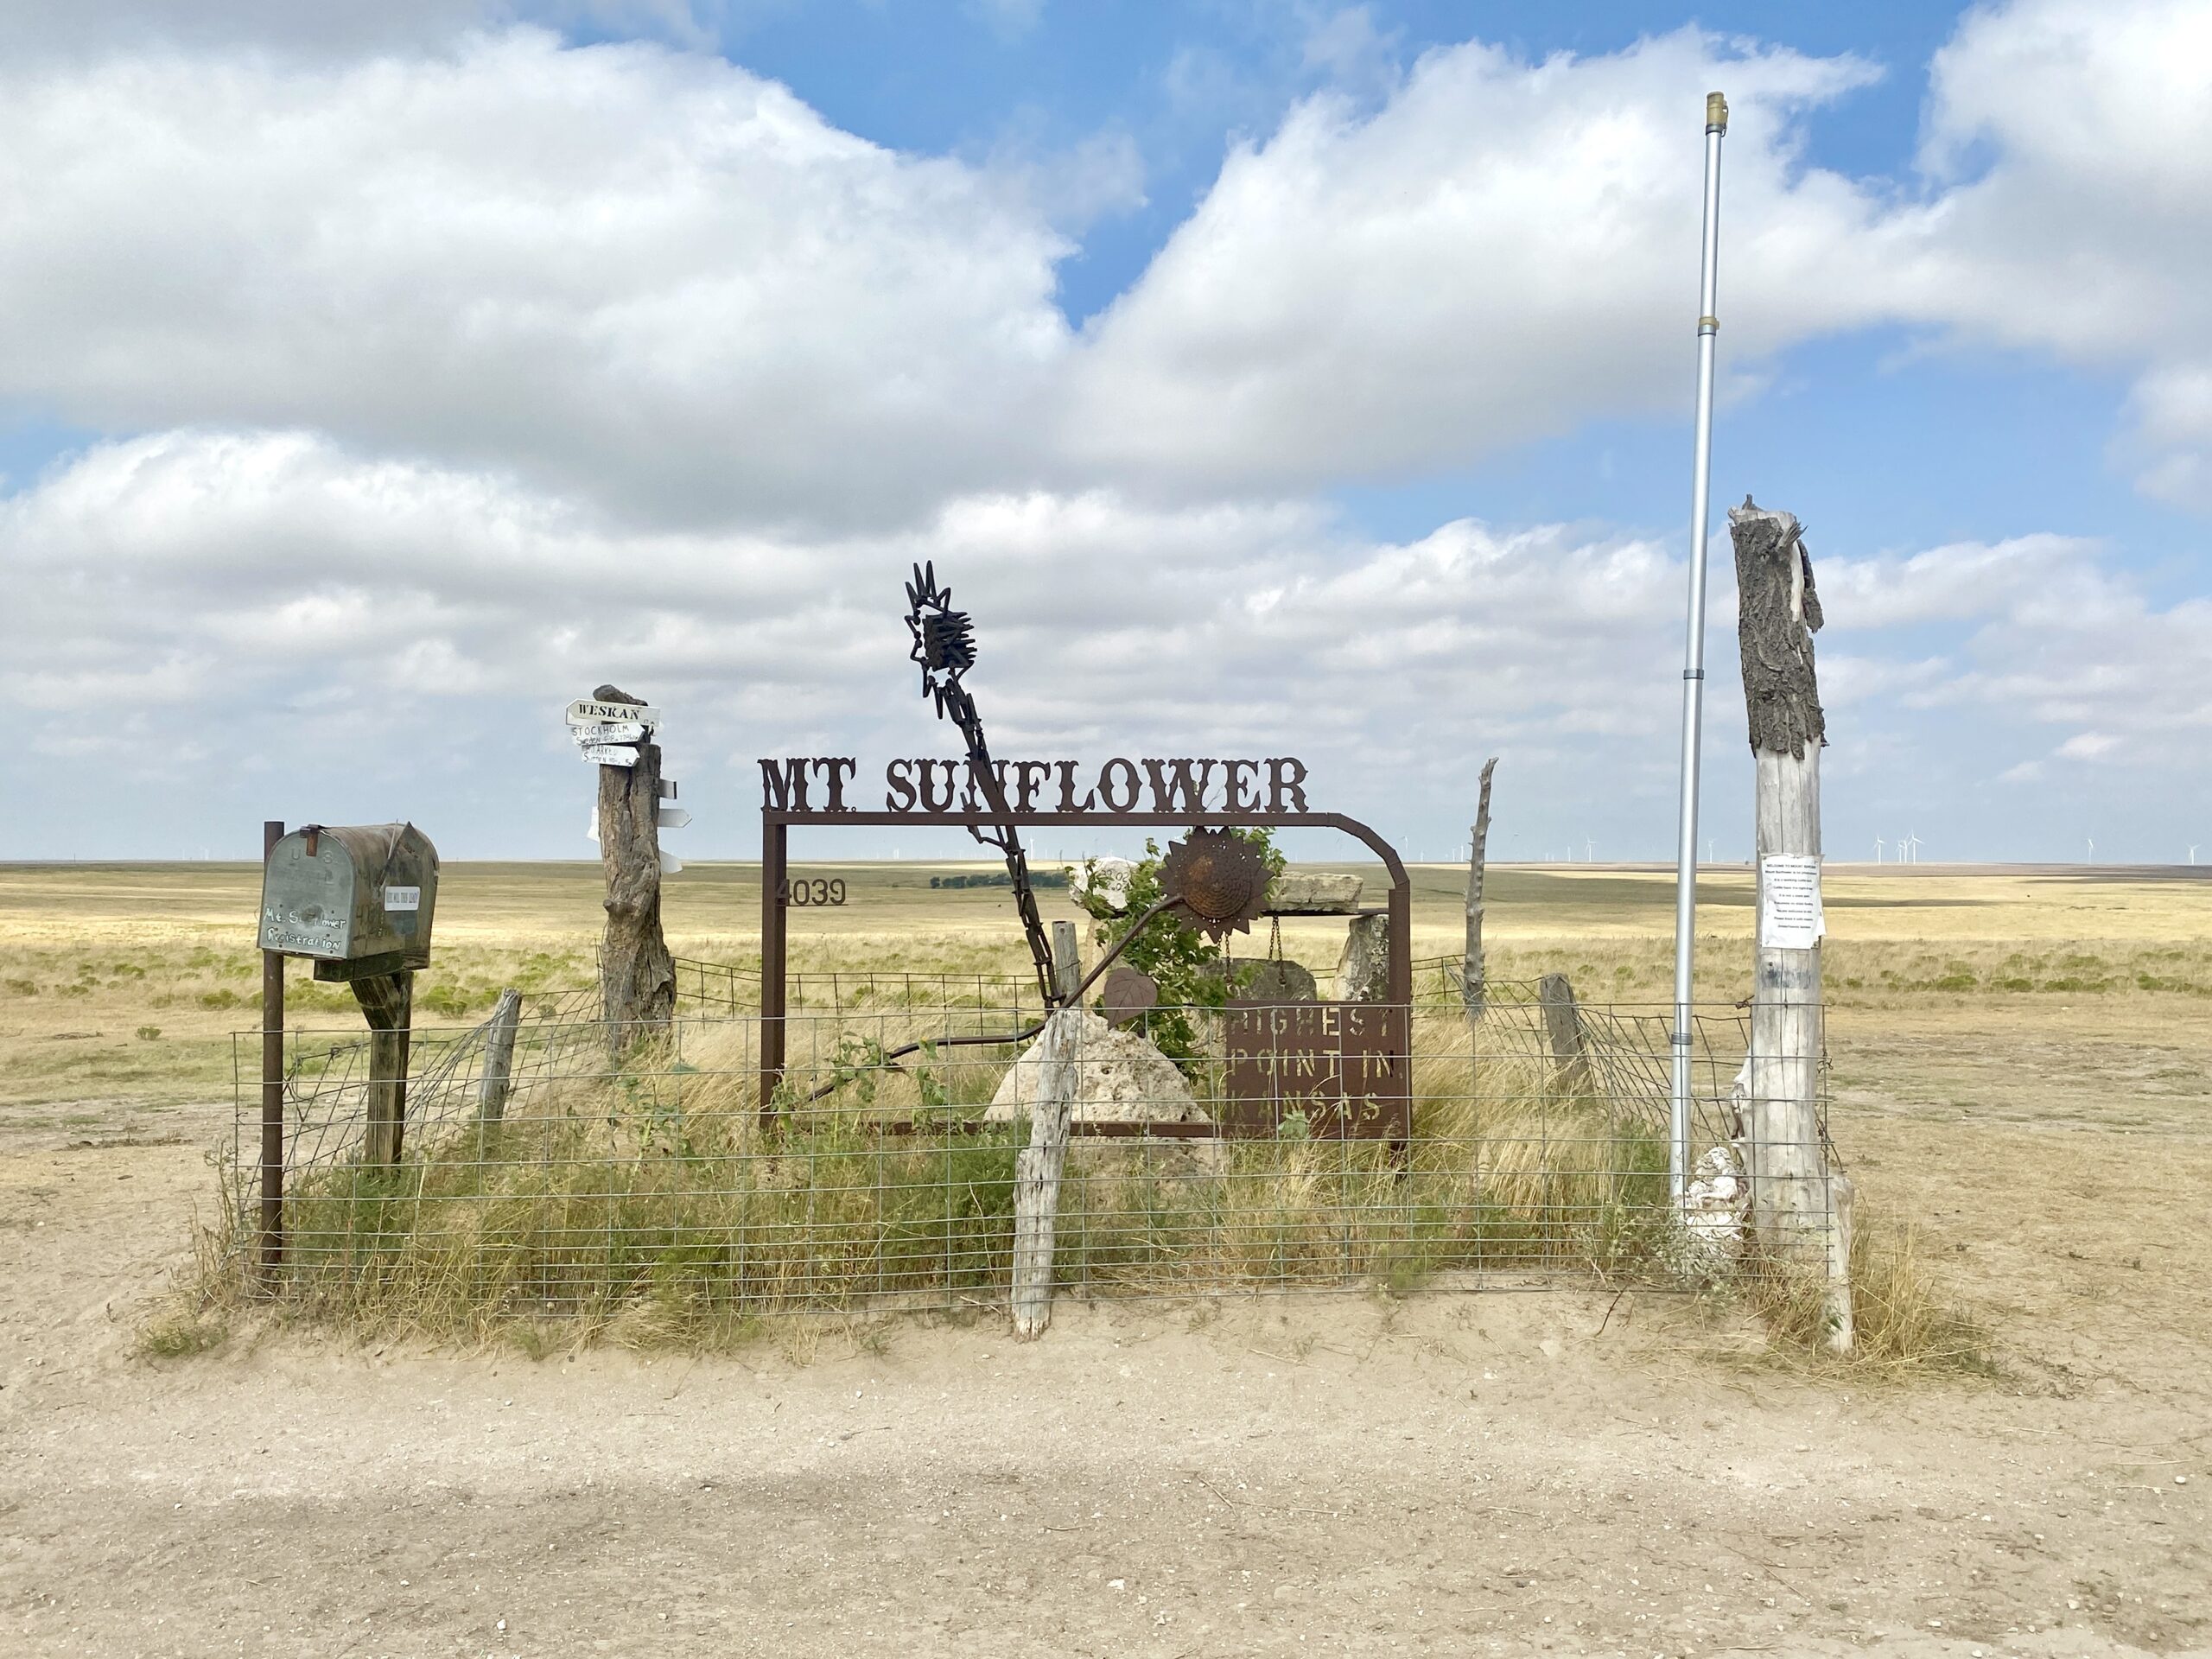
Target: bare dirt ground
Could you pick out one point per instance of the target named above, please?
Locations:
(1452, 1474)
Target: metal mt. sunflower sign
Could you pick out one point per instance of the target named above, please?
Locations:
(1343, 1068)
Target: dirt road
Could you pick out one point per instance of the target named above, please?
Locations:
(1452, 1475)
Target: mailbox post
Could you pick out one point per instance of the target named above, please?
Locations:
(271, 1252)
(358, 901)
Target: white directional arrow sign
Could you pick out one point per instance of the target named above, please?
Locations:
(586, 712)
(670, 864)
(610, 731)
(609, 754)
(674, 818)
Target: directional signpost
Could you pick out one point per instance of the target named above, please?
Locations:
(608, 733)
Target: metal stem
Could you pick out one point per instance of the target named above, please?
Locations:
(1708, 326)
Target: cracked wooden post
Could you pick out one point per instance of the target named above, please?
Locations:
(637, 975)
(1563, 1033)
(388, 1004)
(1036, 1172)
(1473, 976)
(498, 1057)
(1800, 1209)
(1067, 960)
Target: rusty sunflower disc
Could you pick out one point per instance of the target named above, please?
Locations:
(1219, 878)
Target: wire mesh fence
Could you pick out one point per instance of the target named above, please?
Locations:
(600, 1170)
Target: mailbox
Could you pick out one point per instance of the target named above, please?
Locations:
(356, 897)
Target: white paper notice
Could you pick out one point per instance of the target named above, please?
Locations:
(1789, 904)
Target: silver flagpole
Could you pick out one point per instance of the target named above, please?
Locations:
(1708, 325)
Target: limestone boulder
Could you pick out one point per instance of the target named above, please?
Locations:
(1120, 1077)
(1276, 982)
(1106, 880)
(1363, 968)
(1313, 892)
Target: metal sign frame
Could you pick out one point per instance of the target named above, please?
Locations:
(776, 823)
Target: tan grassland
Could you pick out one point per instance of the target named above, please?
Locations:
(2023, 1069)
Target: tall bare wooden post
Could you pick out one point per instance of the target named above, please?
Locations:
(637, 975)
(271, 1251)
(1473, 976)
(1799, 1208)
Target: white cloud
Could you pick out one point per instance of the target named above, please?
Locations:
(270, 595)
(619, 270)
(1505, 249)
(1501, 250)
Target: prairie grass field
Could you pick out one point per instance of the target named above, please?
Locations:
(124, 983)
(2021, 1085)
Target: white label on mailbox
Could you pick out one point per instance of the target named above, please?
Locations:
(402, 897)
(585, 712)
(609, 754)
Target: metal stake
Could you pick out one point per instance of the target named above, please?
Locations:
(1708, 325)
(270, 1255)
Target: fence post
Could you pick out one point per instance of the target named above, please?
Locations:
(498, 1057)
(271, 1252)
(1037, 1174)
(1563, 1031)
(1793, 1195)
(1067, 960)
(1472, 973)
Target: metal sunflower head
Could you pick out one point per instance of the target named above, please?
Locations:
(1219, 878)
(944, 639)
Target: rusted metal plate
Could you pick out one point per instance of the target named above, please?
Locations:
(1127, 993)
(1218, 877)
(1344, 1065)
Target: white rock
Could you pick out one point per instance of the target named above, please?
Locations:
(1105, 879)
(1313, 892)
(1120, 1077)
(1712, 1208)
(1363, 968)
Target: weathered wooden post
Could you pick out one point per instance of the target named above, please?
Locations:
(498, 1057)
(388, 1004)
(271, 1253)
(1036, 1171)
(1067, 960)
(637, 975)
(1563, 1033)
(1473, 976)
(1799, 1208)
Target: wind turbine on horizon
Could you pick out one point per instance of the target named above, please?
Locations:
(1879, 845)
(1912, 847)
(2093, 849)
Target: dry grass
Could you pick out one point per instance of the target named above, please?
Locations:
(653, 1201)
(121, 985)
(1902, 1319)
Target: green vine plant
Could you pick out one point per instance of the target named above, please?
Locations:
(1186, 964)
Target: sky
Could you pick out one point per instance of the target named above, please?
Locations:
(1265, 377)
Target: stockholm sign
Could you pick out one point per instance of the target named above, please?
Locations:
(923, 786)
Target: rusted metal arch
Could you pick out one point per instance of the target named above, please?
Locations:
(776, 822)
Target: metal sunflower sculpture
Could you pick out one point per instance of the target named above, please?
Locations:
(1219, 878)
(944, 647)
